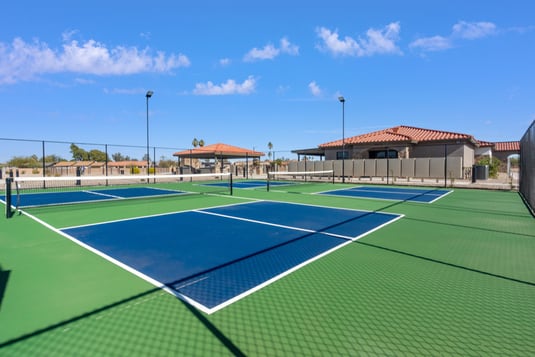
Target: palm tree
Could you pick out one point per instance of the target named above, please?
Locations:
(195, 142)
(270, 147)
(201, 143)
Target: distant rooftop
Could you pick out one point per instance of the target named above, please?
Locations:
(401, 134)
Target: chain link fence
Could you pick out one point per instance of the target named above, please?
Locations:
(527, 167)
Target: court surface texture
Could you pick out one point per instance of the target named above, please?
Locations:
(210, 257)
(284, 272)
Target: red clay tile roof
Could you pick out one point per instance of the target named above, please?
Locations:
(219, 149)
(507, 146)
(485, 144)
(401, 134)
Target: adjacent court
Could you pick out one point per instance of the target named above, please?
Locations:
(391, 193)
(28, 200)
(210, 257)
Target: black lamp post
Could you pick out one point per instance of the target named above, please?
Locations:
(148, 95)
(343, 101)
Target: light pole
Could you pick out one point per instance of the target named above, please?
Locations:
(343, 101)
(148, 95)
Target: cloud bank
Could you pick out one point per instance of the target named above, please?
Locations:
(23, 61)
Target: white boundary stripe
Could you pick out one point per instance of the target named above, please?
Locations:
(250, 200)
(103, 194)
(276, 225)
(126, 267)
(107, 199)
(275, 278)
(326, 193)
(193, 302)
(297, 267)
(442, 196)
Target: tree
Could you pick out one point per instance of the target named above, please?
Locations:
(119, 157)
(79, 154)
(270, 147)
(53, 158)
(25, 161)
(97, 155)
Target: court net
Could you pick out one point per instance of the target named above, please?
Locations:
(286, 179)
(27, 192)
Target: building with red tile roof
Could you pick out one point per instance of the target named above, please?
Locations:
(403, 142)
(411, 142)
(402, 135)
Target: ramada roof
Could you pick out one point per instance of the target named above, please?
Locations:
(401, 134)
(220, 150)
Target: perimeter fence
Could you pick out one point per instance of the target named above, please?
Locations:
(527, 167)
(26, 157)
(48, 158)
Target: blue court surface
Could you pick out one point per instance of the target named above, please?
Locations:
(27, 200)
(214, 256)
(391, 193)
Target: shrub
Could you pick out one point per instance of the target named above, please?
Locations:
(493, 163)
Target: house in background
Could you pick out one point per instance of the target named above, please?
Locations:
(406, 143)
(403, 142)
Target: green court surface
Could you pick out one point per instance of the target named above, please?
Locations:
(451, 278)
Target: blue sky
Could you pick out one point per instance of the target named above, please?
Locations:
(247, 73)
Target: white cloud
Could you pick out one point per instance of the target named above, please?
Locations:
(224, 62)
(435, 43)
(314, 89)
(381, 41)
(226, 88)
(289, 48)
(269, 51)
(461, 30)
(22, 61)
(473, 30)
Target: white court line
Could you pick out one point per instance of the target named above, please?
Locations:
(195, 303)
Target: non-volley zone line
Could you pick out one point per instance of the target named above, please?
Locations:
(215, 256)
(391, 193)
(28, 200)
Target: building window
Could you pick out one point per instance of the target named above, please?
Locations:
(342, 155)
(382, 154)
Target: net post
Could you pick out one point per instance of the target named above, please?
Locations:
(9, 181)
(267, 181)
(230, 183)
(333, 177)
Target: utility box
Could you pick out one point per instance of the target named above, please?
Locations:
(480, 172)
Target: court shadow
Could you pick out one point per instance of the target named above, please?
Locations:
(4, 277)
(152, 318)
